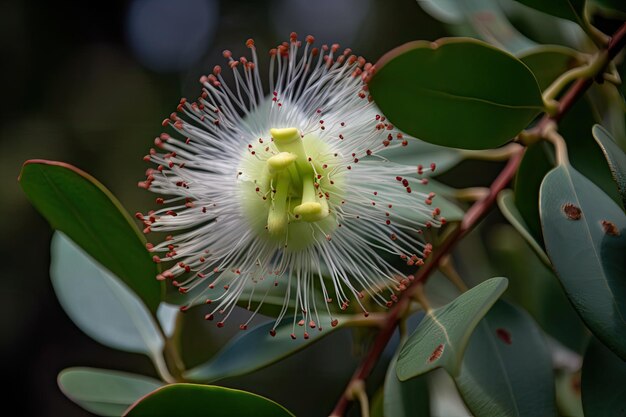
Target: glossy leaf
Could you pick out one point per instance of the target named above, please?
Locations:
(584, 232)
(548, 62)
(192, 400)
(534, 287)
(235, 358)
(584, 153)
(99, 304)
(507, 368)
(615, 157)
(507, 206)
(603, 388)
(405, 399)
(441, 337)
(104, 392)
(538, 160)
(573, 10)
(78, 205)
(459, 93)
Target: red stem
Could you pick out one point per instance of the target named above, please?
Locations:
(471, 218)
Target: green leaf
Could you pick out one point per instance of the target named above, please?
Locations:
(584, 232)
(548, 62)
(441, 337)
(78, 205)
(455, 92)
(584, 153)
(104, 392)
(534, 287)
(99, 304)
(506, 202)
(235, 359)
(405, 399)
(507, 368)
(603, 388)
(192, 400)
(615, 157)
(573, 10)
(537, 162)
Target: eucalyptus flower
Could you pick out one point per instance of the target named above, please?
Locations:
(288, 186)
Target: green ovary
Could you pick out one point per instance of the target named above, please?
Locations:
(288, 188)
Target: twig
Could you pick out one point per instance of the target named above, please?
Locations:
(470, 220)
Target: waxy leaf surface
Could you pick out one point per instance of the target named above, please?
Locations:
(99, 304)
(507, 368)
(105, 392)
(81, 207)
(441, 337)
(603, 388)
(192, 400)
(584, 233)
(459, 93)
(235, 358)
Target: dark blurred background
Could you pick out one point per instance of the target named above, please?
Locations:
(89, 83)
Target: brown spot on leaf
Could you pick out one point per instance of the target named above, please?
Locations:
(504, 335)
(571, 211)
(436, 353)
(609, 228)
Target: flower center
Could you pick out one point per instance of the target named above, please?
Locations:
(295, 184)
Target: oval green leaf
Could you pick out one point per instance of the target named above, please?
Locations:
(538, 160)
(456, 92)
(548, 62)
(104, 392)
(192, 400)
(615, 157)
(573, 10)
(405, 399)
(99, 304)
(507, 368)
(534, 287)
(585, 236)
(235, 358)
(441, 337)
(506, 203)
(81, 207)
(603, 388)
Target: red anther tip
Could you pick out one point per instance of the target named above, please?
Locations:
(156, 259)
(293, 336)
(208, 317)
(220, 324)
(250, 43)
(272, 332)
(334, 323)
(227, 54)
